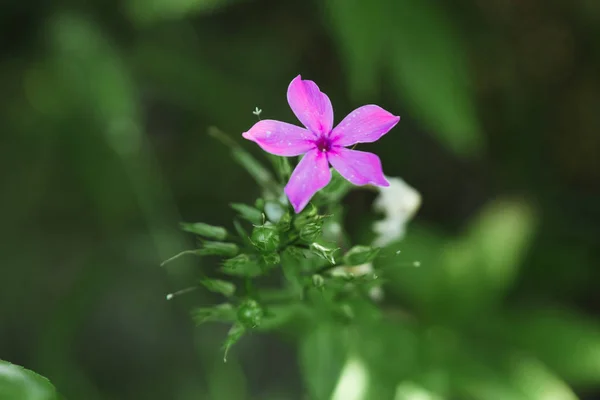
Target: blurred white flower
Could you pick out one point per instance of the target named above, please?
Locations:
(398, 202)
(353, 381)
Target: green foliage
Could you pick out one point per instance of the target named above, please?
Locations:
(248, 213)
(205, 230)
(360, 255)
(221, 313)
(568, 343)
(424, 57)
(218, 286)
(151, 11)
(19, 383)
(105, 114)
(210, 248)
(241, 265)
(323, 352)
(235, 333)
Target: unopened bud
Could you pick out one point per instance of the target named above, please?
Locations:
(265, 238)
(250, 313)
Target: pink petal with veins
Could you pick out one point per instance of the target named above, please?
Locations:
(311, 106)
(281, 138)
(311, 175)
(358, 167)
(366, 124)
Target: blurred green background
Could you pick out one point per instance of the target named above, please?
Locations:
(104, 111)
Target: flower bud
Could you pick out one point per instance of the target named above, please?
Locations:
(265, 238)
(308, 215)
(218, 249)
(311, 231)
(271, 258)
(241, 265)
(285, 222)
(250, 313)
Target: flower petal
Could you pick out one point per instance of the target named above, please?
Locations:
(359, 167)
(281, 138)
(311, 175)
(311, 106)
(366, 124)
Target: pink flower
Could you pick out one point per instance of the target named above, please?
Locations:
(322, 145)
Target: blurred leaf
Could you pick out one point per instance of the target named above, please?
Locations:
(248, 213)
(210, 248)
(477, 269)
(241, 265)
(235, 333)
(360, 29)
(22, 384)
(202, 229)
(323, 352)
(567, 342)
(227, 381)
(148, 11)
(291, 272)
(409, 391)
(415, 285)
(466, 275)
(360, 255)
(335, 191)
(428, 63)
(261, 175)
(353, 381)
(430, 70)
(218, 286)
(222, 313)
(507, 376)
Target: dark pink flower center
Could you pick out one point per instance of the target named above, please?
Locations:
(323, 144)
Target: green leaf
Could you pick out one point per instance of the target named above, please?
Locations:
(241, 265)
(235, 333)
(221, 313)
(360, 255)
(430, 69)
(323, 353)
(218, 249)
(248, 213)
(569, 343)
(205, 230)
(218, 286)
(19, 383)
